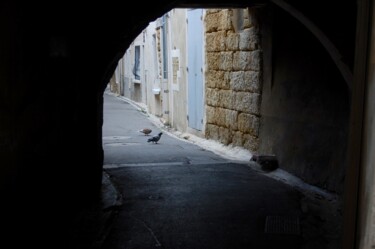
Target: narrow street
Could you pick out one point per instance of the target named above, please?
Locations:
(176, 195)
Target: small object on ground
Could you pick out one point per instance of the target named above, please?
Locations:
(146, 131)
(267, 162)
(155, 139)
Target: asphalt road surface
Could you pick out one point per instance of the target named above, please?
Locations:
(176, 195)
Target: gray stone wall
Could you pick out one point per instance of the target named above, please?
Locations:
(305, 106)
(233, 79)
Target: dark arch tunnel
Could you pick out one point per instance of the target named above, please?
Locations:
(57, 58)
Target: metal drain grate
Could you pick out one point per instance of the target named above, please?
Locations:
(282, 225)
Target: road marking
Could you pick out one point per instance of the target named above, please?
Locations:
(123, 165)
(120, 144)
(115, 137)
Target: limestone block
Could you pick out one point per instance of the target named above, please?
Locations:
(240, 60)
(249, 39)
(216, 41)
(236, 80)
(210, 42)
(227, 99)
(212, 97)
(212, 132)
(226, 118)
(247, 102)
(245, 81)
(232, 41)
(222, 117)
(247, 60)
(255, 60)
(248, 123)
(250, 143)
(213, 60)
(231, 119)
(219, 116)
(252, 81)
(237, 139)
(216, 79)
(226, 61)
(225, 84)
(225, 136)
(218, 21)
(211, 21)
(210, 114)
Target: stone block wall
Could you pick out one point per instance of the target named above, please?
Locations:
(233, 79)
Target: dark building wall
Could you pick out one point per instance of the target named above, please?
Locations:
(55, 61)
(305, 105)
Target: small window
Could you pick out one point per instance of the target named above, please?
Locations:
(136, 68)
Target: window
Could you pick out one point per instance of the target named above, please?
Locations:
(165, 58)
(136, 68)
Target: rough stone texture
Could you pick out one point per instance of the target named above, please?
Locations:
(248, 123)
(248, 39)
(213, 77)
(230, 119)
(247, 60)
(210, 115)
(247, 102)
(252, 81)
(216, 41)
(224, 84)
(237, 80)
(226, 61)
(233, 80)
(216, 21)
(245, 81)
(225, 135)
(219, 117)
(237, 139)
(212, 132)
(251, 143)
(232, 41)
(217, 79)
(227, 99)
(213, 61)
(212, 97)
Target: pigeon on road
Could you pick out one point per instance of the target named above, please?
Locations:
(155, 139)
(146, 131)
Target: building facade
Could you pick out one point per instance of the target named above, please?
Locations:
(201, 71)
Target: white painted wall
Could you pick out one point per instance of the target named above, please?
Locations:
(177, 74)
(165, 98)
